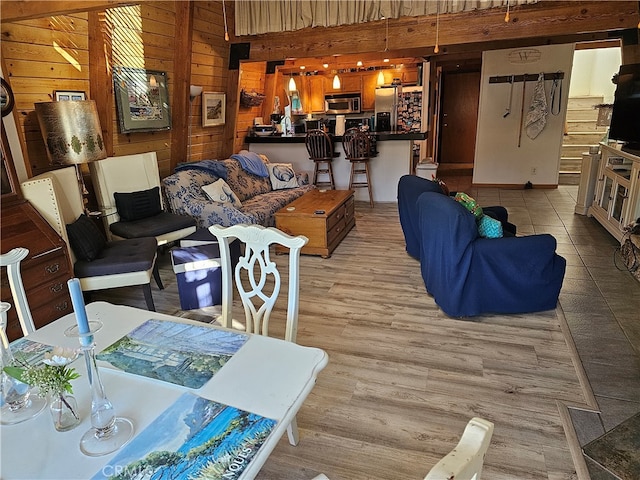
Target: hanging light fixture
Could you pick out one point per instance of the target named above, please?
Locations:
(224, 14)
(336, 82)
(506, 17)
(380, 81)
(292, 84)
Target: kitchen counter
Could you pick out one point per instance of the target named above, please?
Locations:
(299, 137)
(394, 159)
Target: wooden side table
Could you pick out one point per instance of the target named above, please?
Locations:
(323, 216)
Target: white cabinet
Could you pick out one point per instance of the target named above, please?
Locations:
(617, 197)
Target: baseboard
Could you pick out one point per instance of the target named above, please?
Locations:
(512, 186)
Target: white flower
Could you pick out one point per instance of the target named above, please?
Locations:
(59, 356)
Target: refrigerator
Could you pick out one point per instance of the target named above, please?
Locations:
(386, 109)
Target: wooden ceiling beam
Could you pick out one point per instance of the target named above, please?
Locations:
(17, 10)
(544, 19)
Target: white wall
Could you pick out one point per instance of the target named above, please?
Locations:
(498, 159)
(592, 72)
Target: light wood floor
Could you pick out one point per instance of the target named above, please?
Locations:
(403, 378)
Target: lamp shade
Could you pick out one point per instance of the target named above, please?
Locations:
(292, 85)
(336, 82)
(194, 91)
(71, 131)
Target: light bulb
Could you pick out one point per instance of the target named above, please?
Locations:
(380, 78)
(336, 82)
(292, 85)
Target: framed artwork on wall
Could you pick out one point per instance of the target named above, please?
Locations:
(142, 100)
(213, 108)
(66, 95)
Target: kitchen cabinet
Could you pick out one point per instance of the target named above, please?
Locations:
(314, 86)
(349, 83)
(369, 84)
(617, 197)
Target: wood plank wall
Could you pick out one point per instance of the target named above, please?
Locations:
(52, 53)
(252, 77)
(41, 56)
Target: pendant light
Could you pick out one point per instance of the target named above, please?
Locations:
(380, 81)
(224, 14)
(506, 17)
(292, 85)
(336, 82)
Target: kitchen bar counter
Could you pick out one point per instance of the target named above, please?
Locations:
(394, 159)
(299, 137)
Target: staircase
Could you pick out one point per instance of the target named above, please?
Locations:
(581, 132)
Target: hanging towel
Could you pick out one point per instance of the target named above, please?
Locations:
(538, 111)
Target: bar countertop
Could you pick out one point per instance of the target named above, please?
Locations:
(299, 137)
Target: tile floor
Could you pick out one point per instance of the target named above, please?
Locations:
(601, 302)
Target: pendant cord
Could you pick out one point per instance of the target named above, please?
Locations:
(436, 48)
(224, 14)
(506, 17)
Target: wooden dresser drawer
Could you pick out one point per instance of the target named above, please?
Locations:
(336, 233)
(44, 268)
(336, 217)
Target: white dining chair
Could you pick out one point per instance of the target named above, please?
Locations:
(465, 461)
(254, 269)
(11, 261)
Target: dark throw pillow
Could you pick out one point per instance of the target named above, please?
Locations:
(85, 238)
(138, 205)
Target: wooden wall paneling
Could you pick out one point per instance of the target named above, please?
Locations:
(539, 20)
(15, 10)
(252, 77)
(181, 111)
(43, 55)
(209, 69)
(101, 82)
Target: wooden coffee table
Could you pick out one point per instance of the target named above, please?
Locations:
(323, 216)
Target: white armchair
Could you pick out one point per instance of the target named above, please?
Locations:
(135, 173)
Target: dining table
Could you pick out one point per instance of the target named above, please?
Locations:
(266, 376)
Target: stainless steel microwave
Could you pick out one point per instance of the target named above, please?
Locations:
(342, 103)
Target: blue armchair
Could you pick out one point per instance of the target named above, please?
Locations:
(410, 187)
(469, 275)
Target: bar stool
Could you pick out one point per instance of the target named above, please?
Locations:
(357, 149)
(320, 148)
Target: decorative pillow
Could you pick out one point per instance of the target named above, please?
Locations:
(282, 176)
(138, 205)
(469, 203)
(489, 227)
(85, 238)
(219, 191)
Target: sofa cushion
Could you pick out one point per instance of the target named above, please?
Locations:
(119, 257)
(85, 238)
(245, 185)
(282, 176)
(138, 205)
(219, 191)
(154, 226)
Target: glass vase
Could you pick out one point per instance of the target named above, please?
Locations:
(64, 411)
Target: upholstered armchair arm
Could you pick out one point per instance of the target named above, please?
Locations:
(525, 253)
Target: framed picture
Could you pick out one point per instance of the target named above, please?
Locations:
(213, 108)
(142, 100)
(64, 95)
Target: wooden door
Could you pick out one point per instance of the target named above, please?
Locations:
(460, 97)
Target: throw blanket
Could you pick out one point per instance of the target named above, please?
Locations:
(251, 163)
(213, 167)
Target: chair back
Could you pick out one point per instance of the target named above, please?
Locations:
(11, 261)
(256, 276)
(123, 174)
(465, 461)
(56, 196)
(356, 144)
(319, 145)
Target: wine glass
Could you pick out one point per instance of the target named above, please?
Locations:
(108, 433)
(16, 402)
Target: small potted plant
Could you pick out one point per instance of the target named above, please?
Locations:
(53, 377)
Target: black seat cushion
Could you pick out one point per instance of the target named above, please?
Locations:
(85, 238)
(123, 256)
(137, 205)
(159, 224)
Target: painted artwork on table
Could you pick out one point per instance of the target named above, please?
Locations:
(194, 438)
(27, 352)
(179, 353)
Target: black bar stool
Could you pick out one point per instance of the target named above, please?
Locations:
(357, 148)
(320, 149)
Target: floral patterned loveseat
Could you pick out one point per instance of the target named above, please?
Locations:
(183, 194)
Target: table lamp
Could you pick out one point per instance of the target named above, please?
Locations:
(72, 134)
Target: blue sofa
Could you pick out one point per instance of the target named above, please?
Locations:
(469, 275)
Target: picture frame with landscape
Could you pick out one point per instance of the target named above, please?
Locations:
(213, 109)
(69, 95)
